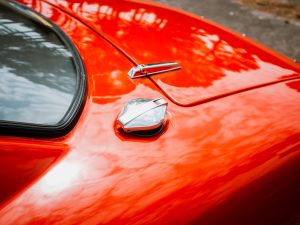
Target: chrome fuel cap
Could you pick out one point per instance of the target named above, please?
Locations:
(142, 115)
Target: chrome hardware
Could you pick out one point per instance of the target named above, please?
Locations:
(151, 69)
(142, 114)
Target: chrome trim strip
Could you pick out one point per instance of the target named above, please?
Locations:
(143, 70)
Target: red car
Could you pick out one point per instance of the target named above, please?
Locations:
(129, 112)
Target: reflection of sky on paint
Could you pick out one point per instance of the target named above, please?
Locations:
(26, 101)
(61, 177)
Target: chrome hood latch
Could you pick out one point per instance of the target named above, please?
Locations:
(151, 69)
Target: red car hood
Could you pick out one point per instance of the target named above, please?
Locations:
(229, 161)
(215, 62)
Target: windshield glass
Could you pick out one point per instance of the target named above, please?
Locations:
(38, 76)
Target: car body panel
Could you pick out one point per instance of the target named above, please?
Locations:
(233, 159)
(214, 61)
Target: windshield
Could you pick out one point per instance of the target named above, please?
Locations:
(40, 77)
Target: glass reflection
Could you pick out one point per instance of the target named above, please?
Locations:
(38, 78)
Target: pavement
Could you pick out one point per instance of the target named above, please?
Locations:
(279, 33)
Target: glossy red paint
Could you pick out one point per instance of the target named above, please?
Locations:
(234, 160)
(215, 62)
(23, 160)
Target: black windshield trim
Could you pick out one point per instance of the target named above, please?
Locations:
(69, 120)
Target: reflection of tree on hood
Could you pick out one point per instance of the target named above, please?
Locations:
(150, 35)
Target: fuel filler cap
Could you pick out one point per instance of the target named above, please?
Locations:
(141, 114)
